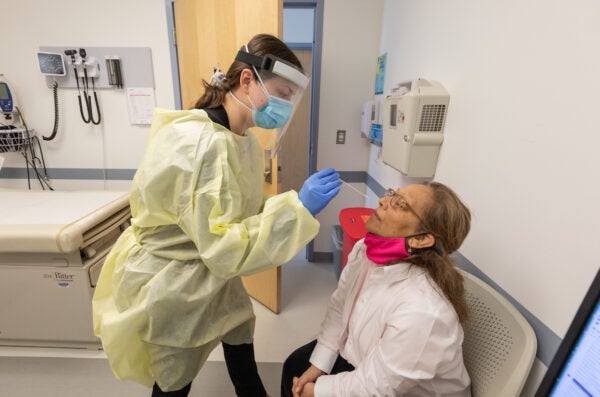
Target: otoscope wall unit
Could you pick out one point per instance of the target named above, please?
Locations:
(109, 67)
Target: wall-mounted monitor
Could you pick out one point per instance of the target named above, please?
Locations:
(575, 368)
(51, 63)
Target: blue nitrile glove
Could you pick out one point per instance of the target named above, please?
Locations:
(318, 190)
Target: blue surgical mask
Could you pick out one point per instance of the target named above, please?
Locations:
(274, 114)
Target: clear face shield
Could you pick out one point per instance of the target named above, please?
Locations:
(283, 85)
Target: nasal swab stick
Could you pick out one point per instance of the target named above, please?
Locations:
(355, 189)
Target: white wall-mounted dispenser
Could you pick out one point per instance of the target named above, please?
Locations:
(413, 126)
(365, 119)
(369, 116)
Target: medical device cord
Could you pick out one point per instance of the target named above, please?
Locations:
(88, 100)
(55, 128)
(85, 119)
(94, 120)
(31, 158)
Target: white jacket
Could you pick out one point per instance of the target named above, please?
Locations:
(393, 324)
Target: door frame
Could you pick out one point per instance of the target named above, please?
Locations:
(173, 53)
(317, 45)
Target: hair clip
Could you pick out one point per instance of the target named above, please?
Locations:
(218, 77)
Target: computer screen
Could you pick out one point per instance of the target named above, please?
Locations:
(575, 369)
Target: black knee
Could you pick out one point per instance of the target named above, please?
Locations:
(242, 369)
(295, 365)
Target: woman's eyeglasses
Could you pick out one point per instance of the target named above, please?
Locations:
(397, 201)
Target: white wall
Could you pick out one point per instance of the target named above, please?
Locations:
(29, 24)
(521, 137)
(351, 35)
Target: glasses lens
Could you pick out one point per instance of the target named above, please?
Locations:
(394, 196)
(398, 201)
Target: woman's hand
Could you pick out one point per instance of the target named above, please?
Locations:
(307, 391)
(307, 379)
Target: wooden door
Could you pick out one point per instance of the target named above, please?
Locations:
(209, 33)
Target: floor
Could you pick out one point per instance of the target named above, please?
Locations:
(53, 372)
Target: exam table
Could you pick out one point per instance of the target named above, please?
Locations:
(52, 248)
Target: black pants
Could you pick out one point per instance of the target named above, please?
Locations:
(241, 366)
(297, 363)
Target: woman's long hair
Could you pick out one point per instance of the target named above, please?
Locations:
(449, 220)
(261, 45)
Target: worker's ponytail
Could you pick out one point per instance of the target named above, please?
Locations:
(214, 95)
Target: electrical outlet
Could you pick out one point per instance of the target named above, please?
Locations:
(341, 137)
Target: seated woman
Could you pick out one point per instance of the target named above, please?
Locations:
(393, 326)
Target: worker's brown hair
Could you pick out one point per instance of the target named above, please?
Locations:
(261, 45)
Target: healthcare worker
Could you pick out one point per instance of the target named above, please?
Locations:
(170, 289)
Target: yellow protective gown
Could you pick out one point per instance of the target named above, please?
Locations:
(170, 289)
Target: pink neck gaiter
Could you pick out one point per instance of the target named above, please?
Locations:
(383, 250)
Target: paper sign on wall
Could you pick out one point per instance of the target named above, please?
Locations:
(141, 104)
(380, 73)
